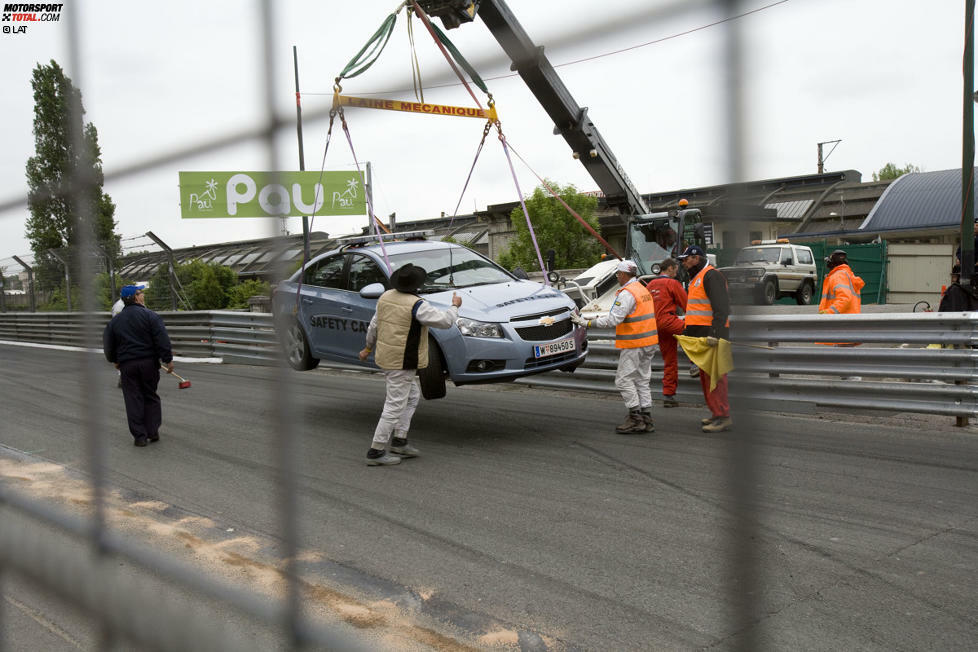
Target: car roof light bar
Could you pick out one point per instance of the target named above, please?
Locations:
(386, 237)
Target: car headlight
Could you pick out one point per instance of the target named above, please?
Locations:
(473, 328)
(755, 273)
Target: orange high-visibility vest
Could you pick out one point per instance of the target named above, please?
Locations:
(638, 329)
(841, 288)
(699, 310)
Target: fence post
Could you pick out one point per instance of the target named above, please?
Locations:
(67, 276)
(108, 263)
(30, 282)
(172, 264)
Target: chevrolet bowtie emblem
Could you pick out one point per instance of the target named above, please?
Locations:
(546, 321)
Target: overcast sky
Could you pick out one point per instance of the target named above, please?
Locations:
(884, 76)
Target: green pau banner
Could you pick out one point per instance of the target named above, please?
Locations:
(268, 194)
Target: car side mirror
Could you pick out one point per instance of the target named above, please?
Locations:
(372, 291)
(521, 274)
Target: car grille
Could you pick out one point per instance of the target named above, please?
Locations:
(741, 275)
(544, 333)
(734, 275)
(534, 317)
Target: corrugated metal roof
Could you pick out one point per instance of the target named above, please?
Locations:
(918, 200)
(791, 210)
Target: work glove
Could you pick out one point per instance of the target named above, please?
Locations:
(577, 319)
(711, 341)
(822, 312)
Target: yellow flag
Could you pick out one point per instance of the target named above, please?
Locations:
(714, 360)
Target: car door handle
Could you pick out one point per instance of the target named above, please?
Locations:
(304, 300)
(347, 309)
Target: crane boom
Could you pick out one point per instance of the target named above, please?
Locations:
(570, 119)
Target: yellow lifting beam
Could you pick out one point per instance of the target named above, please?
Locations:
(415, 107)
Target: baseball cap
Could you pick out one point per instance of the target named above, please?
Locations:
(691, 250)
(627, 266)
(128, 291)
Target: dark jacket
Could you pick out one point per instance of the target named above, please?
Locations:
(957, 299)
(135, 333)
(715, 285)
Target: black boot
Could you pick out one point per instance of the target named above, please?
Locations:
(634, 423)
(647, 419)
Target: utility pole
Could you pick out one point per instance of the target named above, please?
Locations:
(302, 155)
(821, 159)
(968, 149)
(369, 192)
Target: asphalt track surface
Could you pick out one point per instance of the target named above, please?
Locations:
(526, 522)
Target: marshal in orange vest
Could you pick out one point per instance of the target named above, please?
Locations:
(639, 329)
(699, 310)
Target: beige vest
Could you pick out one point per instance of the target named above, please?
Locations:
(402, 341)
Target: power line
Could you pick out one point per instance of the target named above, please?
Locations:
(592, 58)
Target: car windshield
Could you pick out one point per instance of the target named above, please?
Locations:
(654, 240)
(452, 267)
(764, 255)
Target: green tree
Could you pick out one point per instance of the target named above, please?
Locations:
(239, 294)
(891, 171)
(57, 163)
(205, 286)
(556, 229)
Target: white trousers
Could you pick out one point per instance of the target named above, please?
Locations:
(634, 375)
(403, 393)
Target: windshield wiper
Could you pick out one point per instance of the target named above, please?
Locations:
(472, 285)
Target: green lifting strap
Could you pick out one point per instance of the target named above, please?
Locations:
(376, 44)
(460, 60)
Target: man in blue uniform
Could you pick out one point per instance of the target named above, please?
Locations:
(137, 342)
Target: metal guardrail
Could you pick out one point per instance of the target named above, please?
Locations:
(238, 337)
(879, 374)
(942, 381)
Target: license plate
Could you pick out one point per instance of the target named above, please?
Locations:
(560, 346)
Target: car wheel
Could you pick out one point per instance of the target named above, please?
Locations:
(432, 377)
(296, 349)
(769, 292)
(804, 294)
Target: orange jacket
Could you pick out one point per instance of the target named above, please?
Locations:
(670, 299)
(699, 310)
(840, 292)
(639, 329)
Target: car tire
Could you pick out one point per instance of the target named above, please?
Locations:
(769, 292)
(295, 346)
(432, 377)
(804, 294)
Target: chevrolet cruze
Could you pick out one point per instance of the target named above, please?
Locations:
(507, 327)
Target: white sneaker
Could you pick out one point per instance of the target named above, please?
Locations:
(384, 460)
(407, 450)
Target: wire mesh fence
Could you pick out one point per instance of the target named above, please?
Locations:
(86, 279)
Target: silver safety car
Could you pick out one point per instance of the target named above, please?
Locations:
(507, 327)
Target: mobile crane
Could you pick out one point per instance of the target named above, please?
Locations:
(650, 237)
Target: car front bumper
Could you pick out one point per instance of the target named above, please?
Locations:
(487, 360)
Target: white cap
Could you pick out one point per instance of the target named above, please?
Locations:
(628, 267)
